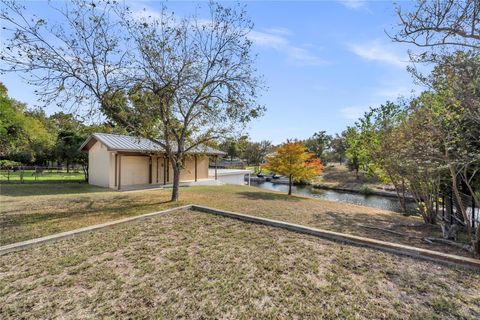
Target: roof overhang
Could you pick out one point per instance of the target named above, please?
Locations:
(85, 147)
(91, 140)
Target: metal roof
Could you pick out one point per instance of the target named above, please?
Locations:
(116, 142)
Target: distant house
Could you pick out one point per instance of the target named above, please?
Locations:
(118, 161)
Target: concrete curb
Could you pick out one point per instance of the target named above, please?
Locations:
(73, 233)
(398, 249)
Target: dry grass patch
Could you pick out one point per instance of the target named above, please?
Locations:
(194, 265)
(32, 211)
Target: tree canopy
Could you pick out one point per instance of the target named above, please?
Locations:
(292, 160)
(178, 81)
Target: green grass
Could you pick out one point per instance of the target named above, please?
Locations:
(258, 169)
(339, 176)
(30, 176)
(194, 265)
(51, 189)
(33, 210)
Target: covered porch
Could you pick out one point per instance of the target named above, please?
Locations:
(136, 170)
(200, 182)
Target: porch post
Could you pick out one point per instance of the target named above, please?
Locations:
(119, 171)
(157, 169)
(164, 170)
(195, 156)
(168, 170)
(150, 171)
(116, 169)
(216, 167)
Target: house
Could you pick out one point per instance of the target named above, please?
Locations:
(119, 161)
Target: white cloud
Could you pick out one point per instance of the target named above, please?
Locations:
(376, 51)
(353, 113)
(354, 4)
(279, 31)
(277, 39)
(266, 39)
(394, 92)
(147, 13)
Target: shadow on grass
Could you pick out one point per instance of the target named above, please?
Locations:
(259, 195)
(345, 221)
(68, 219)
(40, 189)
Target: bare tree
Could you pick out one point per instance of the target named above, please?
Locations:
(73, 63)
(440, 23)
(179, 82)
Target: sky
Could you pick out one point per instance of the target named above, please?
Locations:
(324, 63)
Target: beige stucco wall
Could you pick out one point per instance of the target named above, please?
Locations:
(111, 170)
(98, 165)
(157, 171)
(134, 170)
(202, 167)
(188, 172)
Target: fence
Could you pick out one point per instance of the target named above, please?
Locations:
(449, 209)
(38, 173)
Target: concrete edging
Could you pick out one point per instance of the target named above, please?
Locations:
(73, 233)
(395, 248)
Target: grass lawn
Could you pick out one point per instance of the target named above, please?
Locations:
(338, 175)
(33, 210)
(256, 169)
(194, 265)
(29, 176)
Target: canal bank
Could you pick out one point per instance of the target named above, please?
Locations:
(380, 200)
(365, 190)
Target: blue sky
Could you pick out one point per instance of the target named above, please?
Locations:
(324, 63)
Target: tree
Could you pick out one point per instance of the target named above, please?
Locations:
(441, 23)
(256, 152)
(70, 136)
(418, 160)
(439, 27)
(318, 144)
(292, 160)
(451, 116)
(381, 144)
(354, 150)
(23, 137)
(338, 147)
(234, 147)
(180, 82)
(450, 33)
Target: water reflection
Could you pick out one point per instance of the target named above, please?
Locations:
(373, 201)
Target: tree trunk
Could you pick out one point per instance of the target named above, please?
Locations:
(68, 170)
(356, 166)
(176, 181)
(400, 196)
(476, 243)
(461, 206)
(290, 185)
(85, 172)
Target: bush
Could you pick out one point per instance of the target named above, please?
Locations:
(9, 164)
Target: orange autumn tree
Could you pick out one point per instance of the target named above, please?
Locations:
(293, 161)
